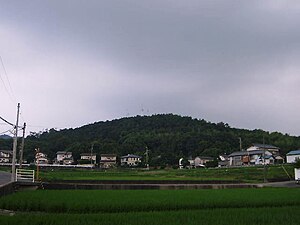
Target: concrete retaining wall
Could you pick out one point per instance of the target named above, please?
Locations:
(131, 186)
(146, 182)
(7, 189)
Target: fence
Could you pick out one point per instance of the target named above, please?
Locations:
(25, 175)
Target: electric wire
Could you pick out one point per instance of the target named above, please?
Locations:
(9, 93)
(6, 88)
(6, 131)
(6, 121)
(8, 81)
(10, 123)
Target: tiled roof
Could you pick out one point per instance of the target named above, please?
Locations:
(108, 155)
(63, 152)
(244, 153)
(205, 157)
(130, 156)
(265, 146)
(88, 154)
(240, 153)
(6, 151)
(295, 152)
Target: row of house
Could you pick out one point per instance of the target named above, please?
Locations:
(106, 160)
(257, 154)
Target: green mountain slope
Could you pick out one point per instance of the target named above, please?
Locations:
(167, 136)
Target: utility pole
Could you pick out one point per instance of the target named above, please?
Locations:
(240, 143)
(92, 153)
(37, 158)
(264, 160)
(13, 167)
(147, 157)
(22, 146)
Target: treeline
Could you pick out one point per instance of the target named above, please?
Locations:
(168, 138)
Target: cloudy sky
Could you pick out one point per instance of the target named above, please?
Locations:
(74, 62)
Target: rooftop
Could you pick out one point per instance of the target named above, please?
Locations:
(295, 152)
(244, 153)
(131, 156)
(108, 155)
(264, 146)
(63, 152)
(88, 154)
(6, 151)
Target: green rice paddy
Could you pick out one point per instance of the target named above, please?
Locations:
(251, 174)
(226, 206)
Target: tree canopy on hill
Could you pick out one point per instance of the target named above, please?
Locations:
(167, 136)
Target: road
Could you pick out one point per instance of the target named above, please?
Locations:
(5, 177)
(291, 184)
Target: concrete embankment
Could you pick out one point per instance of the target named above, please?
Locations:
(7, 189)
(142, 185)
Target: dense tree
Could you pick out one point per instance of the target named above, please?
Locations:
(168, 137)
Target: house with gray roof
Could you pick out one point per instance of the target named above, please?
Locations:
(273, 149)
(254, 157)
(130, 160)
(200, 161)
(292, 156)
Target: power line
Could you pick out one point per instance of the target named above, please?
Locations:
(9, 122)
(4, 69)
(11, 95)
(6, 131)
(6, 121)
(5, 87)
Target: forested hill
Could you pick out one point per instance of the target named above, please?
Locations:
(168, 137)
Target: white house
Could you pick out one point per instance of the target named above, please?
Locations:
(63, 157)
(253, 157)
(130, 160)
(91, 157)
(272, 149)
(41, 158)
(5, 156)
(200, 161)
(108, 160)
(257, 157)
(292, 156)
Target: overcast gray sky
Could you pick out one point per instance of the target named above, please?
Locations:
(71, 62)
